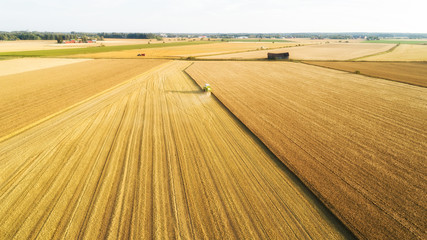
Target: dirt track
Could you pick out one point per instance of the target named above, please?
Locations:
(152, 158)
(360, 143)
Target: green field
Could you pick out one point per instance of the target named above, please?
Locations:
(72, 51)
(396, 41)
(256, 40)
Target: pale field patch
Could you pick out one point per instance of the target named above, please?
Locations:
(20, 65)
(330, 51)
(404, 52)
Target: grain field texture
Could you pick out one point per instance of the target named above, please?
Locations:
(330, 51)
(186, 51)
(412, 73)
(404, 52)
(152, 158)
(20, 65)
(30, 96)
(359, 143)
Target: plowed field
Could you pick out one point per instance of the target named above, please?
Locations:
(152, 158)
(332, 51)
(412, 73)
(359, 143)
(30, 96)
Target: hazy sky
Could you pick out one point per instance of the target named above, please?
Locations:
(211, 16)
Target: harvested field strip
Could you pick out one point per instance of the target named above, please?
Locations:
(412, 73)
(30, 96)
(153, 158)
(375, 54)
(73, 51)
(396, 42)
(332, 51)
(403, 52)
(359, 143)
(30, 64)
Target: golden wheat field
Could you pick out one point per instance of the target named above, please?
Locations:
(329, 51)
(359, 143)
(407, 72)
(403, 52)
(186, 51)
(154, 157)
(30, 96)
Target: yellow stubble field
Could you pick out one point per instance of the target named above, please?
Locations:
(33, 95)
(152, 158)
(359, 143)
(330, 51)
(404, 52)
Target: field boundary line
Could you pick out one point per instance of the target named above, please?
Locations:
(375, 54)
(40, 121)
(362, 74)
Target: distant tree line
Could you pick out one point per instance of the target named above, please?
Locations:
(349, 35)
(25, 35)
(10, 36)
(129, 35)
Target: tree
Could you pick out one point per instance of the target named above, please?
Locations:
(59, 38)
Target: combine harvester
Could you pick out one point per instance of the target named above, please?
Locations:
(207, 88)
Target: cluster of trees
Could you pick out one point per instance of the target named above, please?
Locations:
(10, 36)
(130, 35)
(25, 35)
(84, 38)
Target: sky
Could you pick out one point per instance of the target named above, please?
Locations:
(214, 16)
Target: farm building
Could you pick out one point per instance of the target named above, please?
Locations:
(276, 56)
